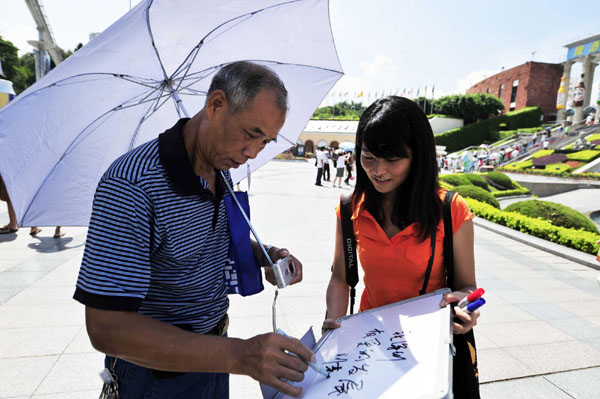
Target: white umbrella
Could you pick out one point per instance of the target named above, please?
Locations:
(120, 90)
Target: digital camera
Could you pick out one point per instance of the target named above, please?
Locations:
(284, 271)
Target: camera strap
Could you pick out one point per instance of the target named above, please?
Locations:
(349, 247)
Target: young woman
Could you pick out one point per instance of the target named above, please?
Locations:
(396, 206)
(339, 161)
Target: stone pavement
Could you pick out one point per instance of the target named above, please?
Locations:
(538, 336)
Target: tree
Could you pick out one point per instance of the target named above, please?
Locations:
(21, 70)
(424, 104)
(9, 58)
(343, 111)
(470, 107)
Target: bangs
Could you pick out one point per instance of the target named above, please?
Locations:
(387, 139)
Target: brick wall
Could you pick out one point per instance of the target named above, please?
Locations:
(538, 84)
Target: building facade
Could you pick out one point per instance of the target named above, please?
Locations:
(533, 84)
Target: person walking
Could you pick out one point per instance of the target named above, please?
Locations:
(340, 162)
(326, 158)
(320, 156)
(348, 163)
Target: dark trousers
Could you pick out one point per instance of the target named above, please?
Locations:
(319, 174)
(326, 174)
(137, 382)
(349, 170)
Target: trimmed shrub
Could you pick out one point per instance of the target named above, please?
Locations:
(500, 179)
(519, 165)
(477, 180)
(456, 179)
(549, 159)
(584, 156)
(542, 153)
(508, 193)
(445, 185)
(558, 167)
(556, 214)
(487, 130)
(477, 193)
(581, 240)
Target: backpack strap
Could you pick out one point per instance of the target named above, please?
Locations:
(349, 248)
(448, 248)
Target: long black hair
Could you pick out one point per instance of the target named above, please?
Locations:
(394, 127)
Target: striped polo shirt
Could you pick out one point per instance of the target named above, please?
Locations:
(158, 238)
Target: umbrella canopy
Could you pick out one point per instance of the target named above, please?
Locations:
(121, 90)
(347, 146)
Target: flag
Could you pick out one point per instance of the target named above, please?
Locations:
(432, 89)
(425, 91)
(360, 94)
(418, 90)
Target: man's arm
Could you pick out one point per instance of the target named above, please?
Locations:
(150, 343)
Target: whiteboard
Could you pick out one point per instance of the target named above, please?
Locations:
(401, 350)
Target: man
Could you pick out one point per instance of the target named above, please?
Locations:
(326, 158)
(152, 275)
(320, 156)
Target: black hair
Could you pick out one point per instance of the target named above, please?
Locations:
(242, 80)
(394, 127)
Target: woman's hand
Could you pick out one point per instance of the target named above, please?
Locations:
(467, 320)
(329, 324)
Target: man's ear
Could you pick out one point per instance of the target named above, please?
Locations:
(216, 103)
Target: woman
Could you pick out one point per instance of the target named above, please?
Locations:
(396, 208)
(339, 160)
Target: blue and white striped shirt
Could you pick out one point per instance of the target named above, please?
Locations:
(158, 238)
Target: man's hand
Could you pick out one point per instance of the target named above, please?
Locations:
(264, 358)
(278, 253)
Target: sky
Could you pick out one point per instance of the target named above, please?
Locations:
(383, 45)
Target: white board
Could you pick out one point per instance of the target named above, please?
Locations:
(401, 350)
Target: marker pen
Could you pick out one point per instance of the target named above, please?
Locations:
(471, 297)
(313, 365)
(473, 306)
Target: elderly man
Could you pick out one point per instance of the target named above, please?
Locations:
(152, 275)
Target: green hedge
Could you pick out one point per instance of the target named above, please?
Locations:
(501, 179)
(487, 130)
(556, 214)
(575, 176)
(577, 239)
(477, 193)
(456, 179)
(584, 156)
(518, 190)
(558, 167)
(478, 180)
(445, 185)
(542, 153)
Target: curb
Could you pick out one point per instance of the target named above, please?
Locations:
(539, 243)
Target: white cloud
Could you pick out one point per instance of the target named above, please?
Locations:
(464, 83)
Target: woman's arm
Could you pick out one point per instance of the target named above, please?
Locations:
(464, 276)
(337, 291)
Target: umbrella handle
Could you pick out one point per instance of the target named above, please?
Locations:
(262, 247)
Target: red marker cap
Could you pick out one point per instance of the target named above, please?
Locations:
(475, 294)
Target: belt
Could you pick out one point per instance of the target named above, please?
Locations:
(220, 330)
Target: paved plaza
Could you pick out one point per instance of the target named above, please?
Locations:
(538, 336)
